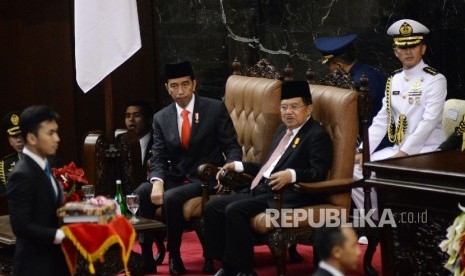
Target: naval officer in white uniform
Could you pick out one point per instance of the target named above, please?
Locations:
(412, 107)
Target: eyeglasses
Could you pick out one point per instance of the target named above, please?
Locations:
(292, 107)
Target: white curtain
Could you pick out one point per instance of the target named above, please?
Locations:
(106, 35)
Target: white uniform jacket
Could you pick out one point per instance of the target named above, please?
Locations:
(419, 93)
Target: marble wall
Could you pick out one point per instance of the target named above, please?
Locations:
(211, 33)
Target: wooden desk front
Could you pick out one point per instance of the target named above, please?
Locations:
(8, 240)
(423, 192)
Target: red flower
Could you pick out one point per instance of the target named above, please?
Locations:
(71, 178)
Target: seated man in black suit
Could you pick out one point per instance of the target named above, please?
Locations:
(187, 133)
(138, 118)
(301, 151)
(338, 250)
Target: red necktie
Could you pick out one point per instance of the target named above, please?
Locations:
(185, 128)
(276, 153)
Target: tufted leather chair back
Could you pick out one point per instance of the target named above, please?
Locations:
(454, 110)
(336, 109)
(253, 104)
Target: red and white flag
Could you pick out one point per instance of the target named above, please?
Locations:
(106, 35)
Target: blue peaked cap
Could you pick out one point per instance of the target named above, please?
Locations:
(333, 46)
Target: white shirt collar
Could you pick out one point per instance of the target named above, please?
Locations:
(39, 160)
(416, 69)
(190, 106)
(334, 271)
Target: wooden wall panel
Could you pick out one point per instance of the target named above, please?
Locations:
(37, 67)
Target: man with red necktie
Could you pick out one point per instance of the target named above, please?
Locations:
(187, 133)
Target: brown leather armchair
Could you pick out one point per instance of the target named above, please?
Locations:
(336, 109)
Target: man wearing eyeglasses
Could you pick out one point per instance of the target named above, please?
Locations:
(301, 151)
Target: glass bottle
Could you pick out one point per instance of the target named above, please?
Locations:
(120, 198)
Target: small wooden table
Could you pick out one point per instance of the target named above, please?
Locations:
(110, 267)
(423, 192)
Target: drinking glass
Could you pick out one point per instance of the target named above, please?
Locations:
(88, 191)
(132, 201)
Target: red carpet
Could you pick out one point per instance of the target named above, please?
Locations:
(191, 252)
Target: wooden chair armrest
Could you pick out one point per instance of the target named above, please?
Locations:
(206, 172)
(342, 185)
(232, 180)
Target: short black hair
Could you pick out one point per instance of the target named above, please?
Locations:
(326, 238)
(31, 118)
(146, 108)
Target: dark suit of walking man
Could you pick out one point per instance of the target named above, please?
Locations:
(34, 197)
(210, 138)
(301, 151)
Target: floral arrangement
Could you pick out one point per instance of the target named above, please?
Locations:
(454, 245)
(71, 178)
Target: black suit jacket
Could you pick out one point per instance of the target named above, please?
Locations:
(32, 206)
(309, 154)
(213, 140)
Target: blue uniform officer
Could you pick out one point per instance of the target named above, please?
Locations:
(339, 54)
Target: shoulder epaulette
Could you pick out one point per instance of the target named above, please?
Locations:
(396, 71)
(430, 70)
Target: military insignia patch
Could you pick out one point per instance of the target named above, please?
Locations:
(405, 29)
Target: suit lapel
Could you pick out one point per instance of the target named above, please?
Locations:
(282, 131)
(61, 196)
(172, 124)
(47, 183)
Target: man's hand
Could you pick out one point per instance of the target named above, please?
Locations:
(157, 193)
(280, 179)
